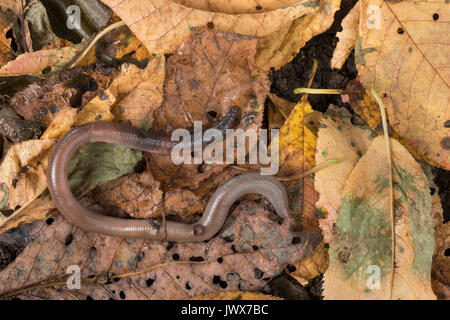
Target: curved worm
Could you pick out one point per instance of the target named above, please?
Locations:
(215, 213)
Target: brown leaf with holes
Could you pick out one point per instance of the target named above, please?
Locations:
(281, 46)
(41, 62)
(212, 72)
(22, 175)
(440, 271)
(403, 54)
(163, 25)
(251, 249)
(72, 89)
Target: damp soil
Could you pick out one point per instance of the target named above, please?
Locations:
(293, 75)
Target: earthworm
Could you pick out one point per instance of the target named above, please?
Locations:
(208, 225)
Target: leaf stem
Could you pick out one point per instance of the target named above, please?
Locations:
(391, 189)
(317, 91)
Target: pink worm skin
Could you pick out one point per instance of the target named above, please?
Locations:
(215, 213)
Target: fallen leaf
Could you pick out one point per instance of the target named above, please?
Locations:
(361, 264)
(40, 63)
(6, 53)
(70, 89)
(22, 174)
(362, 103)
(163, 25)
(144, 96)
(440, 272)
(347, 37)
(297, 146)
(406, 60)
(311, 266)
(279, 110)
(238, 295)
(338, 139)
(137, 269)
(212, 72)
(237, 6)
(13, 5)
(281, 46)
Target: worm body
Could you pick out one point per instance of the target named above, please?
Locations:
(217, 208)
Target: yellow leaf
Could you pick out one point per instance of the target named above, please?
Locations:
(163, 25)
(404, 56)
(297, 146)
(361, 265)
(281, 46)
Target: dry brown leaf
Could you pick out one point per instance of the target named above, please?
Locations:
(361, 264)
(440, 272)
(137, 269)
(279, 111)
(347, 37)
(22, 174)
(163, 25)
(6, 53)
(338, 139)
(362, 103)
(311, 266)
(144, 89)
(406, 61)
(71, 89)
(212, 72)
(41, 62)
(237, 6)
(13, 5)
(281, 46)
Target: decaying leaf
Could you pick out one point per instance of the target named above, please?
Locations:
(297, 145)
(440, 272)
(362, 103)
(279, 111)
(347, 37)
(311, 266)
(361, 265)
(250, 250)
(163, 25)
(6, 53)
(144, 92)
(41, 62)
(237, 6)
(212, 72)
(338, 139)
(22, 174)
(281, 46)
(404, 56)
